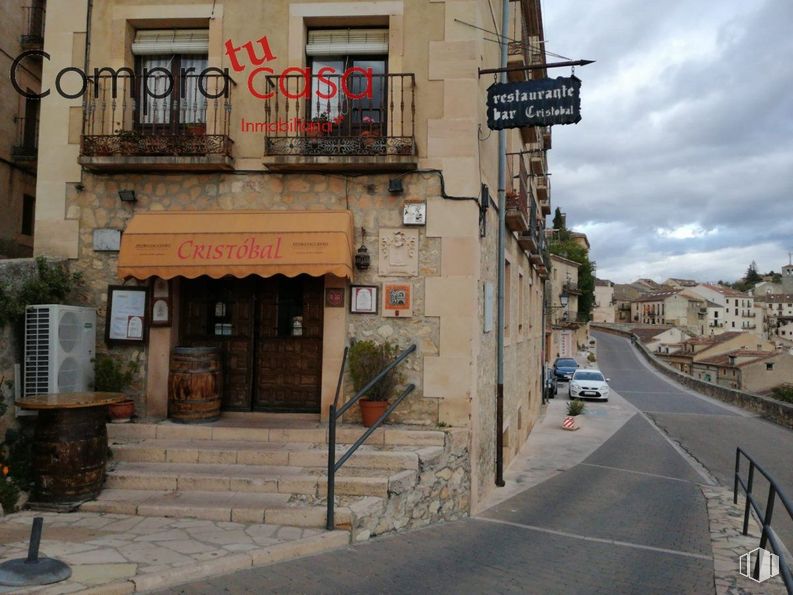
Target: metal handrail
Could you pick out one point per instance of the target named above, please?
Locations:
(768, 533)
(335, 414)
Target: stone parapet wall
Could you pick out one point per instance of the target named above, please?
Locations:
(771, 409)
(441, 492)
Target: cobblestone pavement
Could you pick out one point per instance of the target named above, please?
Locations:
(115, 553)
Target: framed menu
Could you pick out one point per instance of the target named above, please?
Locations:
(363, 299)
(127, 321)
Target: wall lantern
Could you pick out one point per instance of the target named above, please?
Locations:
(564, 298)
(127, 195)
(362, 258)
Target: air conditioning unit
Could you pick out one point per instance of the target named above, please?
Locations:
(60, 342)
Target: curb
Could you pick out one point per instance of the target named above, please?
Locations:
(231, 563)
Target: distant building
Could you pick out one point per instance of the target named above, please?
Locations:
(680, 283)
(739, 312)
(748, 370)
(604, 302)
(777, 309)
(700, 348)
(565, 322)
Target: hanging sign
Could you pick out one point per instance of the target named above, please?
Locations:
(542, 102)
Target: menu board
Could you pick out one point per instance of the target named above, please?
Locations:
(126, 314)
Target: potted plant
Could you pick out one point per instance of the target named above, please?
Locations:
(574, 409)
(370, 134)
(111, 375)
(316, 126)
(366, 360)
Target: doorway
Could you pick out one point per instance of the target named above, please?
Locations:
(270, 334)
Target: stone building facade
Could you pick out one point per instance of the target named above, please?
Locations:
(414, 170)
(21, 29)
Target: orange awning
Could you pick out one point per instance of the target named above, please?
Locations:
(237, 243)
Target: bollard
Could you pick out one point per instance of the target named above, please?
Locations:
(25, 572)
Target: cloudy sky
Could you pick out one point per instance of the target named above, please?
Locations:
(683, 162)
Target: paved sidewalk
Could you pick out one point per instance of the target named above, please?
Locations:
(115, 553)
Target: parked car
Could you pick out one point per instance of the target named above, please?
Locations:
(551, 386)
(589, 384)
(564, 367)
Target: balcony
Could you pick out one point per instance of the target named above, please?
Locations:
(25, 147)
(748, 325)
(538, 164)
(572, 288)
(544, 194)
(716, 324)
(517, 214)
(188, 131)
(32, 37)
(748, 314)
(530, 240)
(341, 133)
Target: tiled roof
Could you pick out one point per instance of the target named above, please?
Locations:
(726, 291)
(657, 296)
(724, 359)
(646, 334)
(775, 297)
(714, 339)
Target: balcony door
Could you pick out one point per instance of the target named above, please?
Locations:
(343, 49)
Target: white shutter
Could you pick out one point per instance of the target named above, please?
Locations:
(155, 42)
(332, 42)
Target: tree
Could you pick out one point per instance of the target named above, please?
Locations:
(559, 220)
(567, 247)
(752, 277)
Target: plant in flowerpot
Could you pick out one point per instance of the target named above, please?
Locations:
(370, 135)
(366, 360)
(113, 376)
(317, 125)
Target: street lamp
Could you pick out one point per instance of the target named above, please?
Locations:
(564, 300)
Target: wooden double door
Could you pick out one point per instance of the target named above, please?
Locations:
(270, 332)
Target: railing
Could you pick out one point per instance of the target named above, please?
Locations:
(26, 137)
(716, 324)
(194, 119)
(572, 287)
(517, 203)
(33, 34)
(380, 122)
(336, 413)
(768, 533)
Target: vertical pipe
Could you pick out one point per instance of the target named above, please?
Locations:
(329, 521)
(502, 148)
(35, 540)
(748, 503)
(737, 471)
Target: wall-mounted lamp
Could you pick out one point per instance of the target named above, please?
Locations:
(362, 258)
(564, 298)
(395, 186)
(127, 195)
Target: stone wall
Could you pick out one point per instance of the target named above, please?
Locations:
(772, 409)
(97, 206)
(442, 492)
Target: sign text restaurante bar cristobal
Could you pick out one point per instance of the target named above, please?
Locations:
(541, 102)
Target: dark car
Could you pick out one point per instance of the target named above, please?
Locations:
(564, 367)
(550, 384)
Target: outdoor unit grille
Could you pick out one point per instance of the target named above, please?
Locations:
(59, 349)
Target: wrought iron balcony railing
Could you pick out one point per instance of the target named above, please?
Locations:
(33, 33)
(517, 215)
(27, 134)
(193, 120)
(373, 119)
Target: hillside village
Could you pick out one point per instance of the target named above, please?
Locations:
(712, 331)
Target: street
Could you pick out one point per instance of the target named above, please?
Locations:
(629, 519)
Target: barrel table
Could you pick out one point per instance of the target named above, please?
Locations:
(195, 382)
(69, 447)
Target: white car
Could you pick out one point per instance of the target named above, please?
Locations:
(588, 383)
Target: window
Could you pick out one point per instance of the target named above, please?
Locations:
(340, 50)
(28, 214)
(290, 307)
(733, 324)
(521, 304)
(769, 366)
(178, 56)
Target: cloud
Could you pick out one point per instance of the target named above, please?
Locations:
(685, 150)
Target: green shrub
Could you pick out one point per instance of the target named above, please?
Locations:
(366, 359)
(576, 407)
(52, 284)
(113, 376)
(591, 358)
(783, 393)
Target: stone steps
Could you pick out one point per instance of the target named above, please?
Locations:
(230, 452)
(236, 429)
(242, 507)
(263, 468)
(279, 479)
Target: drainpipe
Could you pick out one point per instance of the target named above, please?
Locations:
(502, 207)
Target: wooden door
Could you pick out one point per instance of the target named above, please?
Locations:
(288, 369)
(219, 312)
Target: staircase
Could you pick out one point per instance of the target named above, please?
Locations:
(255, 468)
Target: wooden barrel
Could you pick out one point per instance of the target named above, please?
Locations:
(69, 455)
(194, 384)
